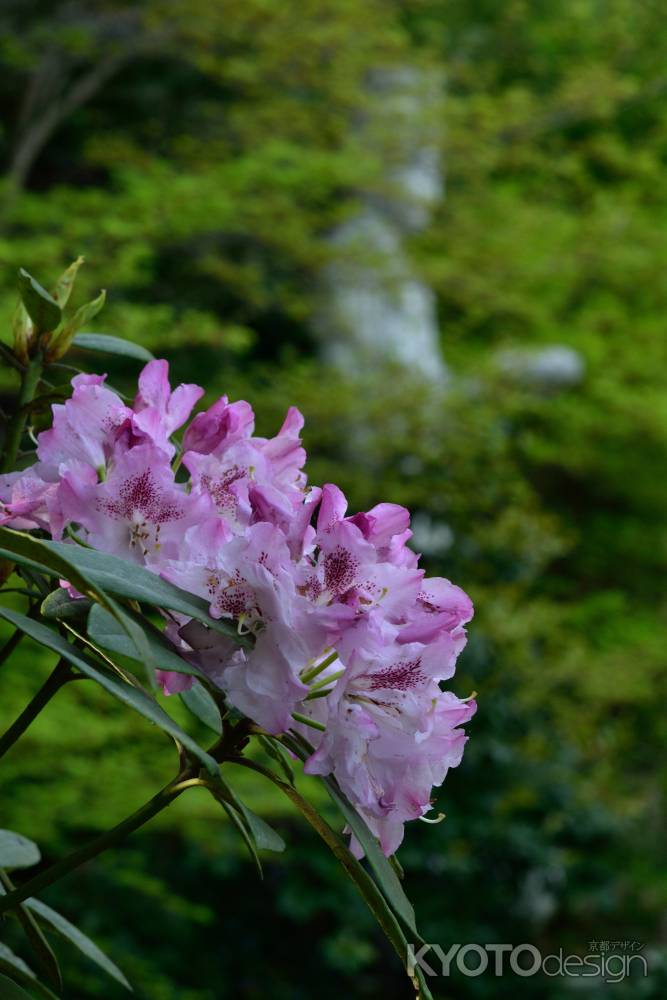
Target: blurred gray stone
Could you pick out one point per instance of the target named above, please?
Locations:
(553, 367)
(430, 537)
(373, 307)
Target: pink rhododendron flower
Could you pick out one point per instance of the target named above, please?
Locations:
(86, 427)
(391, 733)
(139, 512)
(219, 426)
(24, 500)
(246, 476)
(158, 411)
(345, 639)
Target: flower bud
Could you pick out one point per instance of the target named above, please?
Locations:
(36, 318)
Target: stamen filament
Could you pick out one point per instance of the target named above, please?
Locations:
(437, 819)
(318, 694)
(329, 679)
(311, 674)
(298, 717)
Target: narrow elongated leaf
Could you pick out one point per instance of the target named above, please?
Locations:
(202, 705)
(112, 345)
(61, 344)
(42, 308)
(17, 851)
(113, 575)
(246, 836)
(42, 950)
(85, 313)
(65, 283)
(44, 954)
(357, 873)
(40, 555)
(255, 833)
(135, 698)
(10, 991)
(386, 876)
(276, 751)
(63, 926)
(18, 971)
(8, 956)
(106, 632)
(264, 836)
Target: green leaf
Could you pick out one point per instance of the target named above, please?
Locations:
(59, 562)
(10, 991)
(112, 345)
(109, 573)
(8, 956)
(42, 950)
(202, 705)
(67, 930)
(134, 697)
(62, 343)
(278, 753)
(357, 873)
(65, 283)
(246, 836)
(59, 605)
(104, 630)
(255, 832)
(43, 310)
(17, 970)
(125, 579)
(264, 836)
(17, 851)
(87, 311)
(386, 876)
(397, 866)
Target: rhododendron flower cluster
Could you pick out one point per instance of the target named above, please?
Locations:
(350, 641)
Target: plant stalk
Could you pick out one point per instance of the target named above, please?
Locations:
(29, 382)
(230, 744)
(10, 645)
(60, 675)
(106, 840)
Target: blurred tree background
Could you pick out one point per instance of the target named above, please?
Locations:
(199, 155)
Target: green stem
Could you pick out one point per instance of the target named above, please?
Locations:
(10, 645)
(60, 675)
(10, 358)
(102, 843)
(230, 743)
(29, 382)
(34, 594)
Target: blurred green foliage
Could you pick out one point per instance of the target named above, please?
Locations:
(200, 175)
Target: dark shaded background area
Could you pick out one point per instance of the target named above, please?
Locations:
(200, 173)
